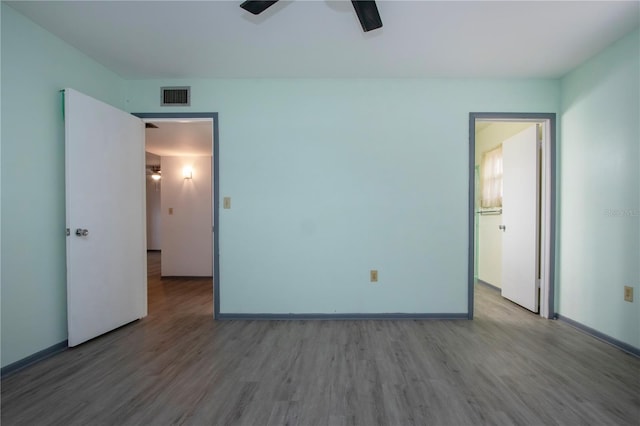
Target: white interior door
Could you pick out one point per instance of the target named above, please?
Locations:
(105, 202)
(520, 218)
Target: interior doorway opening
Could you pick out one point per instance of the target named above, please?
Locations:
(512, 207)
(182, 172)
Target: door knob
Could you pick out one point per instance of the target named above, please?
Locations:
(82, 232)
(502, 228)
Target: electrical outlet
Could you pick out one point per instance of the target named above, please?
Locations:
(373, 275)
(226, 202)
(628, 293)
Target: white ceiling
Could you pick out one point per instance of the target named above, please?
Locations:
(173, 138)
(214, 39)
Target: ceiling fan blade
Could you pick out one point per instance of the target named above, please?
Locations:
(368, 15)
(257, 7)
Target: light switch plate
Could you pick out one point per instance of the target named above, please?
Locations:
(226, 202)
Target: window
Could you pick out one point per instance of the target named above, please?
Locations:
(491, 178)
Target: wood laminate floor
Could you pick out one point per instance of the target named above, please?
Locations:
(178, 366)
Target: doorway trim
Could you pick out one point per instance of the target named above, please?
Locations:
(548, 205)
(215, 185)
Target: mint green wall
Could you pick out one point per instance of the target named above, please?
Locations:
(35, 66)
(599, 225)
(332, 178)
(328, 179)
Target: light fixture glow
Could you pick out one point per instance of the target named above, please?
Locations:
(187, 172)
(156, 177)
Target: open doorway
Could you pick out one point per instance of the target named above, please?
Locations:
(511, 207)
(181, 168)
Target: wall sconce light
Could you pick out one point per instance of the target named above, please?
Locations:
(156, 176)
(187, 172)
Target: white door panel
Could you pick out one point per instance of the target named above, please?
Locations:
(520, 218)
(106, 269)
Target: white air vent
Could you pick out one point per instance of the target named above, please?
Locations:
(175, 96)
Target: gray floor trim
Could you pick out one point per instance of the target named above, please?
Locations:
(601, 336)
(32, 359)
(187, 277)
(488, 285)
(394, 316)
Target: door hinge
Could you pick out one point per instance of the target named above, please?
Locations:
(68, 232)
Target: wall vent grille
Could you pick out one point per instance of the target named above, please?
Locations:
(175, 96)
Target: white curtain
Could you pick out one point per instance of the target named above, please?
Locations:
(491, 178)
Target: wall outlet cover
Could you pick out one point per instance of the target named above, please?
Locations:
(628, 293)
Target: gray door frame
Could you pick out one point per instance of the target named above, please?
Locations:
(513, 116)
